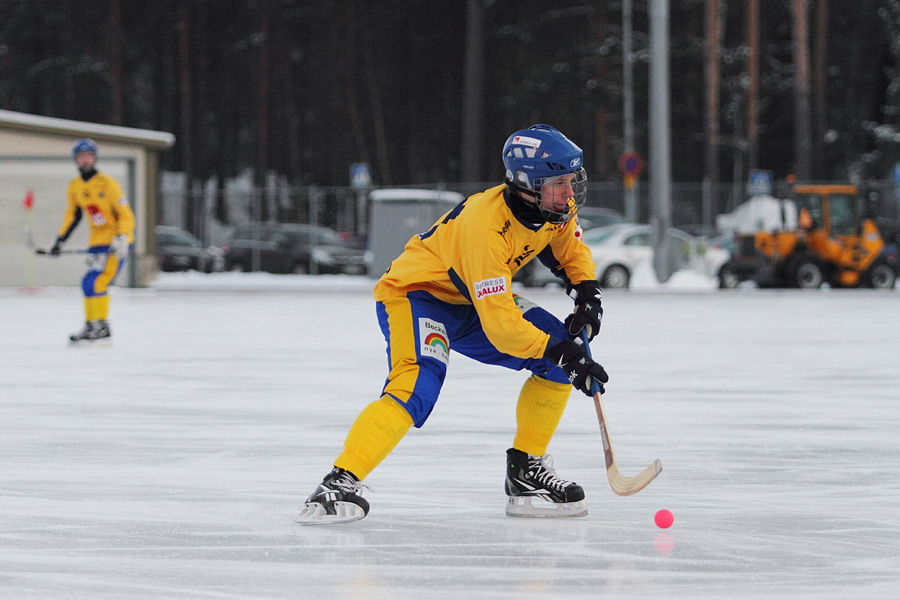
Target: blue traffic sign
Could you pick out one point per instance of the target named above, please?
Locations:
(360, 176)
(760, 183)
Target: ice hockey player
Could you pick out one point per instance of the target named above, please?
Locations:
(451, 289)
(112, 231)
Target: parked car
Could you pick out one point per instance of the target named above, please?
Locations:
(180, 250)
(535, 274)
(618, 249)
(291, 248)
(591, 217)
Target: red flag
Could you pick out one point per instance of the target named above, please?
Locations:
(28, 203)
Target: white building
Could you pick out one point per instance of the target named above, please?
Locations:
(36, 155)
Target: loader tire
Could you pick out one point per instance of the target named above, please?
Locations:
(880, 276)
(806, 273)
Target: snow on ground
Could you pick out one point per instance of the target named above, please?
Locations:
(171, 464)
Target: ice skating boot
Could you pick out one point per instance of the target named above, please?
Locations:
(92, 333)
(101, 331)
(84, 334)
(338, 499)
(534, 489)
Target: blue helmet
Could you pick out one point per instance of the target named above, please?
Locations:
(84, 145)
(535, 156)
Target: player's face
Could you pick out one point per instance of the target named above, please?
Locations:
(85, 160)
(557, 193)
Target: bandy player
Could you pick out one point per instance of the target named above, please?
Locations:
(450, 289)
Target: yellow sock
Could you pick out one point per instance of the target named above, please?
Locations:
(96, 308)
(541, 405)
(376, 431)
(102, 307)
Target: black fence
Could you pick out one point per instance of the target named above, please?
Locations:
(216, 212)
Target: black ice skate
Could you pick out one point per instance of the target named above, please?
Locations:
(535, 490)
(93, 332)
(336, 500)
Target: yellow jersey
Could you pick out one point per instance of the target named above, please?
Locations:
(470, 257)
(104, 204)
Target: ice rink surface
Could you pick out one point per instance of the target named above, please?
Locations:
(171, 464)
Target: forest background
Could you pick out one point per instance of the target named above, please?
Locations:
(427, 92)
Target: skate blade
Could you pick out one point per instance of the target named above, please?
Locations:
(532, 507)
(313, 513)
(101, 343)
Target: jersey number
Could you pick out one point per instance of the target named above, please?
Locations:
(447, 218)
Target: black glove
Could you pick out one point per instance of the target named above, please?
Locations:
(587, 312)
(577, 365)
(57, 247)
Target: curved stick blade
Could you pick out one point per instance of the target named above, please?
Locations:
(623, 486)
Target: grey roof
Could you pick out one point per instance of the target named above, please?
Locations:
(110, 133)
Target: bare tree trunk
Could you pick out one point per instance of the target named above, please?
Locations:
(753, 86)
(262, 147)
(384, 164)
(819, 82)
(473, 93)
(601, 114)
(802, 117)
(290, 131)
(187, 125)
(115, 62)
(713, 82)
(351, 38)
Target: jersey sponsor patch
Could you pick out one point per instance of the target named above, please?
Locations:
(523, 140)
(123, 201)
(490, 287)
(433, 340)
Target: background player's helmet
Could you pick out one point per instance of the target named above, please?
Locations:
(536, 155)
(84, 145)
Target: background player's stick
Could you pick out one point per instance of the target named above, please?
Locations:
(621, 485)
(29, 241)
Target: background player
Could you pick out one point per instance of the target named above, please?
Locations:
(112, 231)
(451, 289)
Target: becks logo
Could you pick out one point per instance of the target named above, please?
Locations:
(433, 340)
(490, 287)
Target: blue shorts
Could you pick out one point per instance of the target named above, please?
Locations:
(102, 270)
(420, 330)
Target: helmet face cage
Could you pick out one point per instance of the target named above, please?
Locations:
(549, 204)
(538, 156)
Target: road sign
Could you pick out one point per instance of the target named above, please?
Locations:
(360, 176)
(631, 164)
(760, 183)
(896, 173)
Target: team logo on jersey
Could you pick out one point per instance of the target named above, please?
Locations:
(490, 287)
(522, 140)
(95, 215)
(433, 337)
(527, 252)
